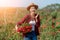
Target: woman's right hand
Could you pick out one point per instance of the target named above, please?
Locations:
(16, 27)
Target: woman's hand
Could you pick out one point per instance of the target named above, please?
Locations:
(16, 27)
(36, 17)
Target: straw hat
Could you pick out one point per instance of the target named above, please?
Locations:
(32, 5)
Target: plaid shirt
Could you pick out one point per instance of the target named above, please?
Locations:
(27, 18)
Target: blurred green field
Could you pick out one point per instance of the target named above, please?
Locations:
(10, 16)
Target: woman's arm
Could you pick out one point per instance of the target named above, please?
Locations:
(38, 20)
(20, 22)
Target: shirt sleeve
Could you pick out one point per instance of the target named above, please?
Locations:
(22, 20)
(38, 22)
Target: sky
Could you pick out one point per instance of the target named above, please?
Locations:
(25, 3)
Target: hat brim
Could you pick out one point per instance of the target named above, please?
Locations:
(28, 8)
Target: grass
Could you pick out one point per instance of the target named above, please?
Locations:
(7, 29)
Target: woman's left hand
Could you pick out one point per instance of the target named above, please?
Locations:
(36, 17)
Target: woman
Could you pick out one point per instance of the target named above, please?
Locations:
(34, 20)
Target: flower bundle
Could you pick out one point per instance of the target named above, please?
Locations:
(25, 28)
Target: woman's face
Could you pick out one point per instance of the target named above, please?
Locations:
(32, 9)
